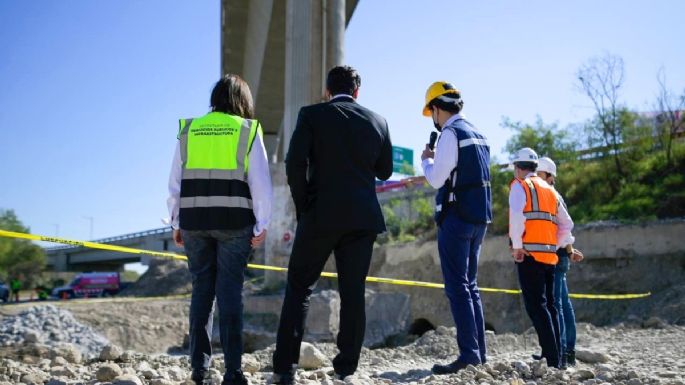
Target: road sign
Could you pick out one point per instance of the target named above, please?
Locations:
(401, 156)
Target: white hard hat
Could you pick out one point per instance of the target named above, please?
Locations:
(547, 165)
(526, 154)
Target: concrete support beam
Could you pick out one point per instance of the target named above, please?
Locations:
(298, 37)
(335, 31)
(258, 22)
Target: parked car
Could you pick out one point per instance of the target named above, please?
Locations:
(90, 285)
(4, 292)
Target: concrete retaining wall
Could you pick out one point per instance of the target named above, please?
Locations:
(619, 259)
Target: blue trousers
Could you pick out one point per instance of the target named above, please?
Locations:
(567, 317)
(459, 247)
(217, 260)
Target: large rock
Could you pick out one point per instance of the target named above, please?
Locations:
(31, 336)
(67, 351)
(591, 357)
(32, 379)
(111, 352)
(127, 379)
(387, 314)
(250, 364)
(323, 319)
(311, 357)
(108, 372)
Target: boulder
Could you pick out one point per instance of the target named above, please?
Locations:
(323, 319)
(127, 379)
(32, 379)
(108, 372)
(591, 357)
(110, 352)
(311, 357)
(31, 336)
(387, 314)
(250, 364)
(67, 351)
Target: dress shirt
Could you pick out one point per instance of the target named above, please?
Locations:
(438, 170)
(258, 178)
(517, 222)
(336, 96)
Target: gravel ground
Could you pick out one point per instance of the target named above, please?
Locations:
(647, 353)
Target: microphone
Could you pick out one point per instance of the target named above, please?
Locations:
(431, 141)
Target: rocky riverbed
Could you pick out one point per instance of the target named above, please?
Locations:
(648, 352)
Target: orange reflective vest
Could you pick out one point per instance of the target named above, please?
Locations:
(540, 235)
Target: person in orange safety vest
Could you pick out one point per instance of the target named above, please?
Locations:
(536, 221)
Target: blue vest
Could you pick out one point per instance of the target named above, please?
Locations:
(466, 193)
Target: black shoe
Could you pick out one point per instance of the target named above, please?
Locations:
(283, 379)
(571, 358)
(235, 378)
(341, 376)
(537, 357)
(199, 377)
(449, 368)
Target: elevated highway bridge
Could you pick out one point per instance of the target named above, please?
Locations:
(78, 258)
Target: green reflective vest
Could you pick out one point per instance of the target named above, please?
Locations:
(215, 152)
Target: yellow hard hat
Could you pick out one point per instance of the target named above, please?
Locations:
(435, 90)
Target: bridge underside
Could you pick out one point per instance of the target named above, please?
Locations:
(283, 49)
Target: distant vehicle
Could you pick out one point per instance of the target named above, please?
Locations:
(90, 285)
(4, 292)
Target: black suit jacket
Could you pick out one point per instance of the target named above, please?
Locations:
(337, 150)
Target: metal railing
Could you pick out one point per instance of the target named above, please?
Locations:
(117, 238)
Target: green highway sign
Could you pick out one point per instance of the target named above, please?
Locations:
(400, 157)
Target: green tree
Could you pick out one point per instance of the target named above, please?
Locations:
(19, 257)
(546, 139)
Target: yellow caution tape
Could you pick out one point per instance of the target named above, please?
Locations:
(391, 281)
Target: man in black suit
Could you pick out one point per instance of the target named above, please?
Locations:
(336, 152)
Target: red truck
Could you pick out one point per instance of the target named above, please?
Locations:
(90, 285)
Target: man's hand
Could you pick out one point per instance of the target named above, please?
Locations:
(577, 256)
(257, 240)
(427, 153)
(519, 255)
(177, 238)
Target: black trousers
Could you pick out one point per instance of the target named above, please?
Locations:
(309, 255)
(537, 287)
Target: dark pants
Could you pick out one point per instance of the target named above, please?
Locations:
(537, 287)
(459, 247)
(309, 255)
(217, 261)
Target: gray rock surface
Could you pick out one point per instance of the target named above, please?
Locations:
(53, 327)
(632, 355)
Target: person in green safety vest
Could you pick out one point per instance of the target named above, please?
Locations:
(220, 205)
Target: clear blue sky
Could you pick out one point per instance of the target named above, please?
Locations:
(91, 90)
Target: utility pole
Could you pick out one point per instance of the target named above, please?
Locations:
(90, 237)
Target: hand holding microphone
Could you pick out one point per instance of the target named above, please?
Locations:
(428, 151)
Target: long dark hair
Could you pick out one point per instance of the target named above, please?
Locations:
(232, 95)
